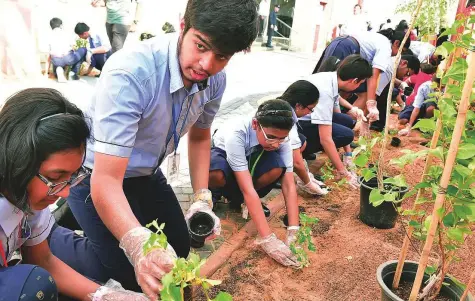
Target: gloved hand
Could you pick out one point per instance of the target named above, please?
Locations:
(311, 187)
(350, 177)
(405, 132)
(364, 130)
(203, 202)
(150, 268)
(276, 249)
(403, 85)
(291, 234)
(357, 114)
(319, 183)
(373, 110)
(113, 291)
(348, 162)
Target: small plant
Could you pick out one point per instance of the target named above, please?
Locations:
(185, 272)
(304, 240)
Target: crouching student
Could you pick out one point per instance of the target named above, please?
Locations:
(42, 144)
(302, 96)
(326, 128)
(247, 159)
(420, 108)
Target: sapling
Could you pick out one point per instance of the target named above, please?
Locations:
(304, 240)
(185, 272)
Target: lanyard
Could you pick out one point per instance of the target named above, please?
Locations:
(255, 163)
(175, 119)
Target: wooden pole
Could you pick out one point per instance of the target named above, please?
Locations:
(389, 99)
(469, 286)
(444, 181)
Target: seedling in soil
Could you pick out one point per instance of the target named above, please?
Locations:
(185, 272)
(304, 240)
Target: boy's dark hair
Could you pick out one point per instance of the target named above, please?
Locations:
(436, 79)
(81, 28)
(330, 64)
(301, 92)
(412, 62)
(26, 140)
(354, 66)
(428, 68)
(402, 26)
(55, 23)
(357, 5)
(407, 52)
(388, 21)
(231, 25)
(394, 35)
(275, 113)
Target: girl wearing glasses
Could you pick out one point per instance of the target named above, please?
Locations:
(247, 159)
(42, 143)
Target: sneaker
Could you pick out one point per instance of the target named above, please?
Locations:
(60, 75)
(310, 157)
(75, 77)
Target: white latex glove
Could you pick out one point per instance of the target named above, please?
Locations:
(405, 132)
(150, 268)
(291, 234)
(203, 202)
(319, 183)
(348, 162)
(364, 129)
(357, 114)
(277, 250)
(403, 86)
(350, 177)
(312, 187)
(373, 110)
(113, 291)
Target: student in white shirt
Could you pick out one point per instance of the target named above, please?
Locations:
(98, 50)
(247, 159)
(42, 146)
(264, 8)
(326, 128)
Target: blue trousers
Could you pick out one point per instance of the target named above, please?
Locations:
(73, 59)
(25, 282)
(150, 198)
(342, 133)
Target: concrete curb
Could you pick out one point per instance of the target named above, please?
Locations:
(218, 258)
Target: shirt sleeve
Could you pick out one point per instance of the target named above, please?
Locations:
(422, 95)
(235, 147)
(294, 138)
(41, 223)
(323, 112)
(211, 108)
(382, 57)
(119, 103)
(285, 152)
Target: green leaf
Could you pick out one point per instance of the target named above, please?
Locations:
(361, 160)
(466, 151)
(430, 270)
(449, 220)
(425, 125)
(437, 152)
(222, 296)
(376, 198)
(415, 224)
(368, 174)
(396, 181)
(463, 171)
(455, 234)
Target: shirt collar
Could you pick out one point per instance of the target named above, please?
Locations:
(176, 81)
(294, 116)
(10, 216)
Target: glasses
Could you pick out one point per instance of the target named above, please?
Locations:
(273, 140)
(311, 110)
(55, 188)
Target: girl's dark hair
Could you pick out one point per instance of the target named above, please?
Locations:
(402, 26)
(301, 92)
(30, 132)
(330, 64)
(275, 113)
(395, 35)
(231, 25)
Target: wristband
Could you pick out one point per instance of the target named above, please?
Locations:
(293, 228)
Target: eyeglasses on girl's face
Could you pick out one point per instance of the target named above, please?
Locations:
(55, 188)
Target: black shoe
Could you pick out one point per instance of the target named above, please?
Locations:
(270, 47)
(353, 145)
(266, 210)
(285, 219)
(310, 157)
(376, 127)
(75, 77)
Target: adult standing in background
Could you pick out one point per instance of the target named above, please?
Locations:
(263, 15)
(355, 23)
(272, 25)
(119, 19)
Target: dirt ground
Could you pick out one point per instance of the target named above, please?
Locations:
(348, 252)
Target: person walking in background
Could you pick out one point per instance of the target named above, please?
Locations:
(272, 25)
(263, 15)
(98, 50)
(119, 19)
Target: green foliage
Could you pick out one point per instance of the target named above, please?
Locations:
(185, 272)
(304, 240)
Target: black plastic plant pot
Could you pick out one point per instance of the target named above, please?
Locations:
(383, 216)
(395, 141)
(200, 226)
(408, 91)
(385, 276)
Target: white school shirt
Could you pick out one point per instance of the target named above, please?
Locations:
(422, 50)
(376, 49)
(327, 85)
(294, 133)
(12, 220)
(60, 42)
(239, 141)
(422, 94)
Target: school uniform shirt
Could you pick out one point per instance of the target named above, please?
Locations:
(376, 49)
(422, 94)
(422, 50)
(120, 11)
(96, 40)
(18, 229)
(386, 76)
(294, 138)
(239, 141)
(139, 90)
(327, 85)
(60, 43)
(418, 80)
(263, 9)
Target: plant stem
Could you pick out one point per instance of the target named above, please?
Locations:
(469, 286)
(384, 141)
(449, 164)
